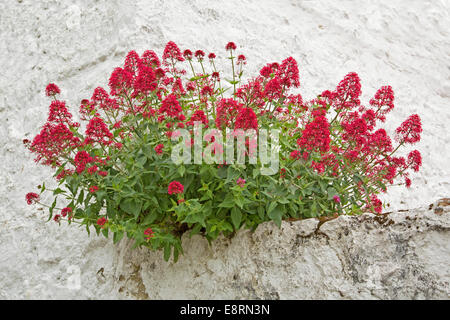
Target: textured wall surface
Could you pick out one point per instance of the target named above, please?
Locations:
(76, 44)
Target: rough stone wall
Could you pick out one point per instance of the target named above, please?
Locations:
(398, 256)
(78, 43)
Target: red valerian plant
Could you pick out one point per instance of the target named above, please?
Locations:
(117, 176)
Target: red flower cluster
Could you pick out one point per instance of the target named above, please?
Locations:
(170, 106)
(175, 188)
(246, 119)
(32, 197)
(172, 53)
(97, 131)
(148, 233)
(82, 158)
(410, 130)
(316, 135)
(101, 221)
(52, 90)
(66, 211)
(159, 148)
(383, 102)
(226, 112)
(230, 46)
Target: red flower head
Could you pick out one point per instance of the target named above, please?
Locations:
(66, 211)
(241, 59)
(100, 99)
(207, 91)
(92, 170)
(148, 233)
(32, 197)
(240, 182)
(379, 142)
(410, 130)
(82, 158)
(150, 59)
(288, 73)
(212, 56)
(159, 148)
(348, 92)
(268, 69)
(336, 199)
(52, 90)
(170, 106)
(199, 54)
(145, 80)
(101, 221)
(190, 86)
(383, 102)
(97, 131)
(187, 54)
(216, 76)
(172, 52)
(407, 182)
(230, 46)
(375, 204)
(246, 119)
(59, 113)
(175, 188)
(273, 89)
(316, 135)
(120, 81)
(227, 110)
(415, 160)
(103, 173)
(57, 218)
(132, 62)
(51, 142)
(93, 189)
(199, 115)
(295, 155)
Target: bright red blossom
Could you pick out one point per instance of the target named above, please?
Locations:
(159, 149)
(148, 233)
(410, 130)
(66, 211)
(52, 90)
(246, 119)
(170, 106)
(175, 188)
(101, 221)
(316, 135)
(230, 46)
(32, 197)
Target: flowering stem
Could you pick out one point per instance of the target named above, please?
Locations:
(232, 67)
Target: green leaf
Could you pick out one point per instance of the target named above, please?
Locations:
(57, 191)
(167, 250)
(228, 202)
(276, 215)
(236, 217)
(150, 218)
(331, 193)
(181, 170)
(118, 235)
(50, 210)
(132, 206)
(81, 197)
(261, 212)
(272, 206)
